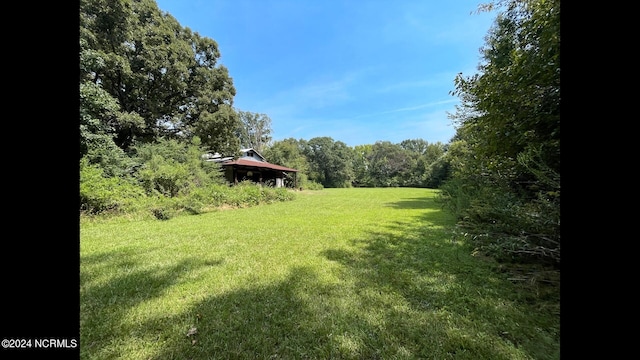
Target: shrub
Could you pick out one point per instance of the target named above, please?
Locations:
(506, 225)
(163, 207)
(164, 177)
(456, 196)
(271, 195)
(175, 169)
(99, 194)
(311, 185)
(168, 181)
(161, 213)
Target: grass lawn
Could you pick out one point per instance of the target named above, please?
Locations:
(333, 274)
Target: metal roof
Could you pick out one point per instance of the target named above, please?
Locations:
(247, 150)
(257, 164)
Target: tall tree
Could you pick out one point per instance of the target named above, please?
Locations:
(389, 164)
(513, 103)
(99, 116)
(330, 162)
(416, 146)
(254, 130)
(506, 163)
(361, 165)
(164, 77)
(423, 171)
(289, 153)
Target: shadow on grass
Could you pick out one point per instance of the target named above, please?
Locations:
(286, 320)
(412, 203)
(475, 309)
(106, 304)
(405, 292)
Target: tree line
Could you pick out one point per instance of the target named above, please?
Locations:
(504, 184)
(144, 79)
(331, 163)
(153, 97)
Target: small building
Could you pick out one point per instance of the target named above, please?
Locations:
(252, 166)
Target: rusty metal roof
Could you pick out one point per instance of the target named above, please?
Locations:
(257, 164)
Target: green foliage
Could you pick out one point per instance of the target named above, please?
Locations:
(411, 163)
(162, 213)
(505, 160)
(247, 193)
(514, 102)
(164, 176)
(437, 173)
(307, 184)
(143, 77)
(389, 164)
(362, 175)
(100, 193)
(456, 196)
(498, 214)
(338, 274)
(170, 178)
(173, 168)
(99, 116)
(330, 162)
(504, 226)
(289, 153)
(109, 157)
(108, 197)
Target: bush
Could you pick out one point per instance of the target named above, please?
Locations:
(505, 225)
(100, 194)
(247, 193)
(162, 213)
(456, 196)
(508, 208)
(170, 179)
(164, 177)
(311, 185)
(174, 169)
(277, 194)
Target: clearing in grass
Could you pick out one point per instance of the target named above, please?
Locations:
(338, 273)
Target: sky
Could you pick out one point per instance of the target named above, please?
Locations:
(358, 71)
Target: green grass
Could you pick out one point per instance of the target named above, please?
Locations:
(333, 274)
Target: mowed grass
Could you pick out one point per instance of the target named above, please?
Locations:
(333, 274)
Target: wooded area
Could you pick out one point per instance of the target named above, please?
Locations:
(153, 99)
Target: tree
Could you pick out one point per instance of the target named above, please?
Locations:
(330, 162)
(163, 77)
(288, 152)
(427, 168)
(515, 98)
(389, 164)
(99, 115)
(505, 183)
(361, 165)
(254, 130)
(171, 167)
(416, 146)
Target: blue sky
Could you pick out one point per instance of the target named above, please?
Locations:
(358, 71)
